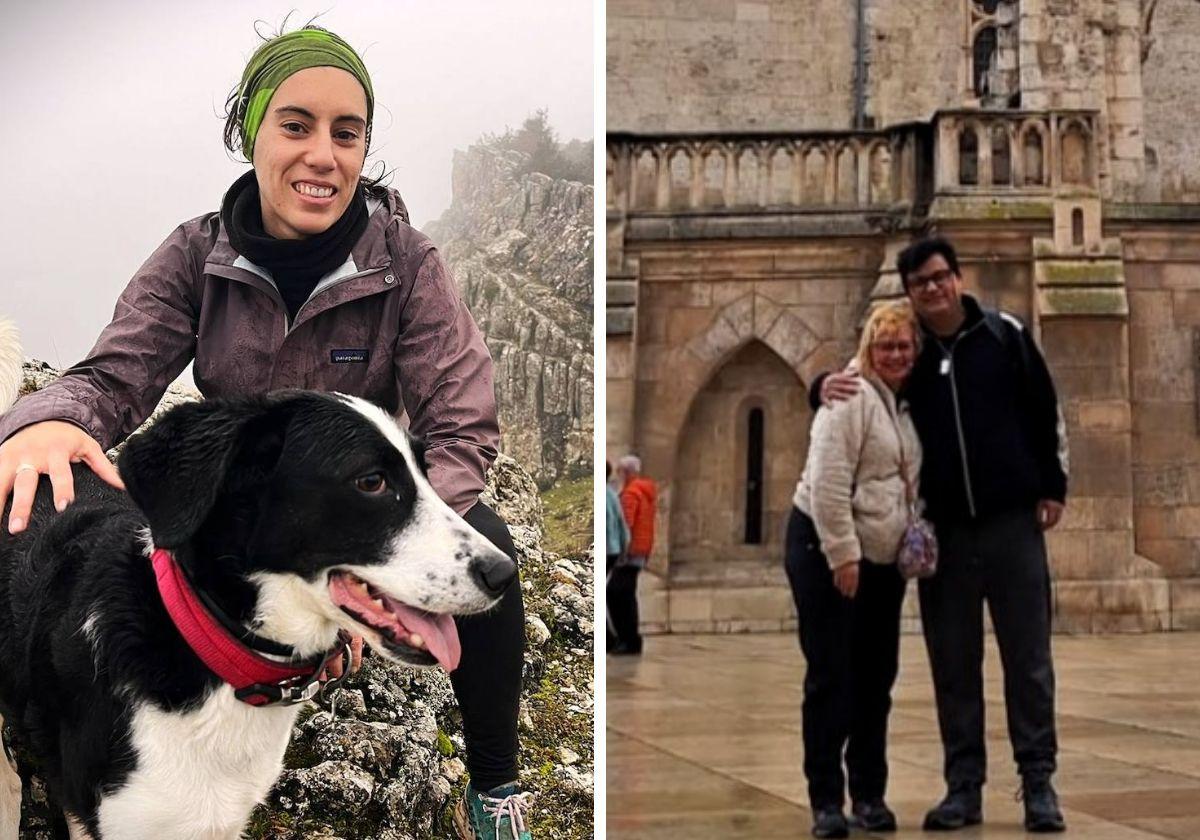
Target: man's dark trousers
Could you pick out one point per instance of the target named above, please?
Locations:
(621, 597)
(999, 558)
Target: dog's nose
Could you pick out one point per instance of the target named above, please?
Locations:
(493, 572)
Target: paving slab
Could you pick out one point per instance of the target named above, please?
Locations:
(704, 740)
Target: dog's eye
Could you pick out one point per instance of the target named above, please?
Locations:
(374, 483)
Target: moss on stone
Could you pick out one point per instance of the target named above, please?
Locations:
(1083, 301)
(991, 209)
(1151, 212)
(1043, 247)
(1091, 273)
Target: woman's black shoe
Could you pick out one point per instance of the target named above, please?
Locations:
(873, 816)
(828, 822)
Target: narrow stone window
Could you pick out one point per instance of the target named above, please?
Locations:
(984, 55)
(968, 157)
(754, 477)
(1074, 150)
(749, 171)
(680, 169)
(1077, 226)
(645, 180)
(1034, 171)
(714, 178)
(1001, 159)
(991, 53)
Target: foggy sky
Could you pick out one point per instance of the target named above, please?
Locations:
(112, 134)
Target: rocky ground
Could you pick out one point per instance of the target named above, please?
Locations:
(386, 761)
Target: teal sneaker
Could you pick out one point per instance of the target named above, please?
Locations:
(498, 814)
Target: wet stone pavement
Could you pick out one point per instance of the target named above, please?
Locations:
(704, 740)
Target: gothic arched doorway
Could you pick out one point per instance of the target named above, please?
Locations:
(740, 453)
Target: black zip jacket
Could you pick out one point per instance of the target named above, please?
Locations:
(987, 415)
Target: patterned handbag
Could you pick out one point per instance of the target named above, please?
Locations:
(918, 553)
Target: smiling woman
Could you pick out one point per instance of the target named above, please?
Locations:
(308, 277)
(301, 115)
(308, 160)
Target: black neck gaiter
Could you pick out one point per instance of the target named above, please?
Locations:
(295, 264)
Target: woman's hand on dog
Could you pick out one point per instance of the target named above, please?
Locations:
(49, 448)
(334, 669)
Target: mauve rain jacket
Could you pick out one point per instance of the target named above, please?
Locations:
(387, 326)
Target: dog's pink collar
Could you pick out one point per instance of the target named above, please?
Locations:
(255, 679)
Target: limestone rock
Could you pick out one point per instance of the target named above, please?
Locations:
(513, 494)
(298, 791)
(520, 246)
(539, 633)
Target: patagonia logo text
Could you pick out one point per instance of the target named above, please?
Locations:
(343, 356)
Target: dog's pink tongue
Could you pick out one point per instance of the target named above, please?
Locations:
(438, 631)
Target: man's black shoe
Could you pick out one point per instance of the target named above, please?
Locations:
(623, 649)
(962, 806)
(874, 815)
(829, 822)
(1042, 814)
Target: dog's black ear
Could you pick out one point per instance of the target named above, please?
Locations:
(176, 467)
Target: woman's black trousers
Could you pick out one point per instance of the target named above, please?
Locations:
(852, 649)
(487, 681)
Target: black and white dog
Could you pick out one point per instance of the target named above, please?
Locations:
(254, 530)
(10, 364)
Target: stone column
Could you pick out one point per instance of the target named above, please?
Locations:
(1082, 309)
(620, 315)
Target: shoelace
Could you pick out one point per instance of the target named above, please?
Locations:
(512, 806)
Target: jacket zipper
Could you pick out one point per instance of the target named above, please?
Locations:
(287, 329)
(962, 439)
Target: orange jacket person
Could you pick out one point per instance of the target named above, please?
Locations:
(638, 501)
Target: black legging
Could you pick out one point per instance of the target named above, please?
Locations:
(487, 681)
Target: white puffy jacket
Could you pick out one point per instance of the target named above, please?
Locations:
(852, 487)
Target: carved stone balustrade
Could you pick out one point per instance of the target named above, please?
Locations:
(1015, 152)
(739, 172)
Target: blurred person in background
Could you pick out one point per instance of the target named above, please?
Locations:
(639, 497)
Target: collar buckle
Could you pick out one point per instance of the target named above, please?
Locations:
(300, 693)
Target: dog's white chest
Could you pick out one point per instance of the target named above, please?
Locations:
(198, 774)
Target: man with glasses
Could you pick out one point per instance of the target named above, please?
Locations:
(994, 478)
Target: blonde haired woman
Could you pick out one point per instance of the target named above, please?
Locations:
(850, 514)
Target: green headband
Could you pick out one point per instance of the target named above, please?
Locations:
(279, 58)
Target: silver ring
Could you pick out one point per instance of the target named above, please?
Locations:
(22, 467)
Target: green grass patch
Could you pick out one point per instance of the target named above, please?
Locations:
(568, 516)
(444, 744)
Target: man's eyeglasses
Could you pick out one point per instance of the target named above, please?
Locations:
(937, 278)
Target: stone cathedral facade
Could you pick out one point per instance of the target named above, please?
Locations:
(767, 160)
